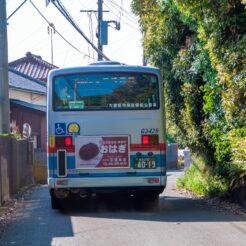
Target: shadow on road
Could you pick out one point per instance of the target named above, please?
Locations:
(37, 222)
(169, 209)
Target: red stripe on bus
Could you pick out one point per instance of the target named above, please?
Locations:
(141, 147)
(54, 149)
(133, 147)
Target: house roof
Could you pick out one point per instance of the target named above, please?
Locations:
(33, 66)
(28, 105)
(23, 82)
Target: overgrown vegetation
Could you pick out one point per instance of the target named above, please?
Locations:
(14, 131)
(12, 135)
(199, 179)
(200, 47)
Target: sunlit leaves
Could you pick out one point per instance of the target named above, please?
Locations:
(200, 47)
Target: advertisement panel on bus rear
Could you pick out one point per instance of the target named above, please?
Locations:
(102, 152)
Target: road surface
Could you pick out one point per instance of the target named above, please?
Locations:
(178, 220)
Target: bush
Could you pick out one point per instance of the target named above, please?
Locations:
(237, 175)
(200, 180)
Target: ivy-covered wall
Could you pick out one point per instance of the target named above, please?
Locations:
(200, 47)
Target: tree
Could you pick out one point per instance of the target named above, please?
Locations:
(200, 47)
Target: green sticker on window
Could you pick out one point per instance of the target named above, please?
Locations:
(76, 104)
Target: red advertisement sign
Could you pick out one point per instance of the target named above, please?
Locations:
(102, 152)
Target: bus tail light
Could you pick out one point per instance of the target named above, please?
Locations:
(68, 141)
(153, 180)
(64, 141)
(150, 139)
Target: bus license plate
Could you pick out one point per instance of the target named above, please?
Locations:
(144, 163)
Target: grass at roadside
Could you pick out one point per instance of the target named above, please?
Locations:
(200, 179)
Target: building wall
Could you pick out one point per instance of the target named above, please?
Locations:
(44, 132)
(27, 97)
(36, 119)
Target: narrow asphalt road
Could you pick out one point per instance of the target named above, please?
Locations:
(178, 220)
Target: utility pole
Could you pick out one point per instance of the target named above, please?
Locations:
(102, 33)
(4, 81)
(99, 12)
(100, 18)
(51, 31)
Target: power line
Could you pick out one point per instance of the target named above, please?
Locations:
(117, 6)
(121, 19)
(16, 10)
(121, 10)
(129, 37)
(65, 13)
(58, 31)
(91, 30)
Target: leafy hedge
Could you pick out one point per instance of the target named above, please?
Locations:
(200, 47)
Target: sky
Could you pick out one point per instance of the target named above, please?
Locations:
(28, 32)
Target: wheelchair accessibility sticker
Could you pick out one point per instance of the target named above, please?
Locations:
(60, 128)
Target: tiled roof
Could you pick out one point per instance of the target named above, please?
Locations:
(33, 66)
(28, 105)
(21, 81)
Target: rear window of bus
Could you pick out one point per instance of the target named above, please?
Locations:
(105, 91)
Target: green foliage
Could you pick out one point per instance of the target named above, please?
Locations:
(221, 26)
(12, 135)
(200, 47)
(193, 180)
(238, 175)
(202, 181)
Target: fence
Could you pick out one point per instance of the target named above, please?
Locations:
(16, 166)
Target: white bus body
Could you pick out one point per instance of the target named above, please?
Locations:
(106, 131)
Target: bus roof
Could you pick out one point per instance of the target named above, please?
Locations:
(103, 66)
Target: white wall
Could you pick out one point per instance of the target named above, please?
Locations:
(27, 97)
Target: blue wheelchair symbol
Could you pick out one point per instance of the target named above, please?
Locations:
(60, 128)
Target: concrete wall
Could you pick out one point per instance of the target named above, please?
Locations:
(172, 156)
(40, 166)
(16, 166)
(5, 160)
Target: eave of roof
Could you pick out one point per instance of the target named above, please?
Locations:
(27, 90)
(28, 105)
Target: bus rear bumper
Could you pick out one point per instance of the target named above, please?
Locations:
(87, 186)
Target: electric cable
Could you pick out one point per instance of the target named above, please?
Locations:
(120, 11)
(116, 6)
(17, 9)
(122, 19)
(65, 13)
(91, 30)
(85, 55)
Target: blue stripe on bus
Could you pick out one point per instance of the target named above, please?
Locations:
(50, 162)
(106, 175)
(161, 160)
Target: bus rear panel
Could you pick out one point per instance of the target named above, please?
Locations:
(106, 131)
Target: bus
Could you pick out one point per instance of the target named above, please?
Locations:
(106, 131)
